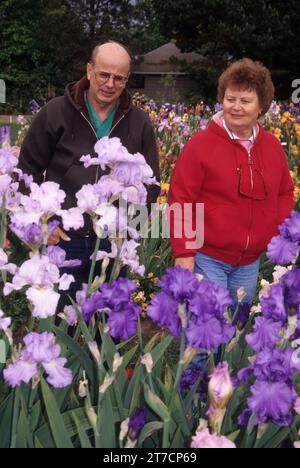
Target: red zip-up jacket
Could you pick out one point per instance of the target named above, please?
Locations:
(246, 196)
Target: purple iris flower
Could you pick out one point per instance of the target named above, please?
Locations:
(272, 401)
(291, 228)
(265, 335)
(164, 311)
(136, 423)
(123, 321)
(282, 251)
(34, 107)
(273, 306)
(178, 283)
(204, 300)
(115, 300)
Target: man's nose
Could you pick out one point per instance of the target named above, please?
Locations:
(111, 82)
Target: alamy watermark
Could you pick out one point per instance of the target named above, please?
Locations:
(177, 221)
(2, 92)
(296, 93)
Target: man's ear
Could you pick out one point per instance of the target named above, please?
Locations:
(88, 71)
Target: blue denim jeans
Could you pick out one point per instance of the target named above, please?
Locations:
(229, 276)
(82, 248)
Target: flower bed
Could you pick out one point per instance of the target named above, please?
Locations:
(94, 379)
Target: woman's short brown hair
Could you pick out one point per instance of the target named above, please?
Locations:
(247, 74)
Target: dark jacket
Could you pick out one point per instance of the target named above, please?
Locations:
(62, 133)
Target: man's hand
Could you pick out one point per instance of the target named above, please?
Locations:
(188, 263)
(56, 236)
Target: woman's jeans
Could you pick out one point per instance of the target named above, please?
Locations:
(229, 276)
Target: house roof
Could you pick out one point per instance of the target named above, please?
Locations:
(167, 59)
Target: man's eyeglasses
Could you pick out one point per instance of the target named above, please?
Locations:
(103, 77)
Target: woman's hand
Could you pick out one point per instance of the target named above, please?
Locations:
(56, 236)
(188, 263)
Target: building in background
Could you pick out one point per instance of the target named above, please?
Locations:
(163, 75)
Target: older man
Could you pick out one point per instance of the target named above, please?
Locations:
(69, 126)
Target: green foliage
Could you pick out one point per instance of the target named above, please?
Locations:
(45, 45)
(224, 30)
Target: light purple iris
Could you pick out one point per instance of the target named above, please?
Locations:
(42, 276)
(8, 161)
(87, 198)
(71, 219)
(57, 256)
(58, 375)
(40, 352)
(44, 201)
(33, 234)
(27, 179)
(130, 257)
(30, 234)
(20, 371)
(128, 177)
(4, 265)
(40, 347)
(5, 182)
(5, 322)
(110, 151)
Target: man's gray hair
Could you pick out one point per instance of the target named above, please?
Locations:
(96, 48)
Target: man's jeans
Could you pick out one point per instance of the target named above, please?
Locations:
(82, 248)
(229, 276)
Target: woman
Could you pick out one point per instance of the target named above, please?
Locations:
(240, 173)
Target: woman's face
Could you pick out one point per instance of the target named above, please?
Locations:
(241, 109)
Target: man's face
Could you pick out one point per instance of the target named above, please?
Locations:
(108, 76)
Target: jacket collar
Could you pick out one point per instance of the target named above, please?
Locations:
(75, 94)
(217, 126)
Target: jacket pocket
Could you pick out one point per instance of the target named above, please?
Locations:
(77, 176)
(264, 228)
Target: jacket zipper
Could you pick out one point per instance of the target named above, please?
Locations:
(252, 188)
(251, 170)
(97, 171)
(120, 120)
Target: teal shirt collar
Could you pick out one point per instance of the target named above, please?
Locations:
(102, 129)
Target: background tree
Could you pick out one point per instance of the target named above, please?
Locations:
(46, 44)
(225, 30)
